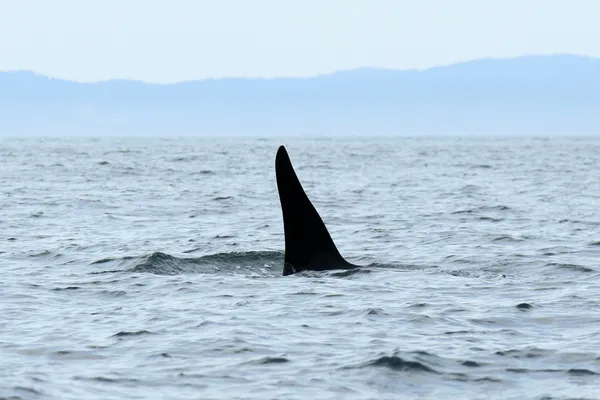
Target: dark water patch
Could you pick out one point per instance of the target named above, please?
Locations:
(531, 352)
(97, 347)
(119, 261)
(348, 272)
(570, 267)
(581, 372)
(179, 159)
(136, 333)
(114, 293)
(111, 271)
(540, 289)
(106, 282)
(460, 332)
(572, 371)
(243, 350)
(471, 364)
(518, 370)
(77, 355)
(103, 379)
(67, 288)
(482, 208)
(488, 379)
(457, 377)
(508, 238)
(376, 311)
(102, 261)
(396, 363)
(556, 250)
(195, 249)
(335, 313)
(524, 306)
(272, 360)
(469, 188)
(463, 212)
(495, 208)
(546, 397)
(122, 151)
(491, 219)
(591, 223)
(45, 253)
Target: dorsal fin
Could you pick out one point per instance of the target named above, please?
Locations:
(308, 245)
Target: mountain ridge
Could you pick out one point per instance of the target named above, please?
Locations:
(522, 95)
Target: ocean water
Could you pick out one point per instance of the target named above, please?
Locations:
(150, 268)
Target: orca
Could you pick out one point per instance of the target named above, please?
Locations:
(308, 245)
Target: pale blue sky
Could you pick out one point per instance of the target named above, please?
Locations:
(174, 40)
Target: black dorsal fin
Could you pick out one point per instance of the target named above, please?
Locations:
(308, 245)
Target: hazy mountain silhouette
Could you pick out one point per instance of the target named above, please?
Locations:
(557, 94)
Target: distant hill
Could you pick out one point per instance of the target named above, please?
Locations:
(557, 94)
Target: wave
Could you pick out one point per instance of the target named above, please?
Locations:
(251, 262)
(399, 364)
(422, 362)
(267, 263)
(164, 264)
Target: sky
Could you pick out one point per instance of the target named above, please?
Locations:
(176, 40)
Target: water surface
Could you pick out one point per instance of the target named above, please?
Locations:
(151, 268)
